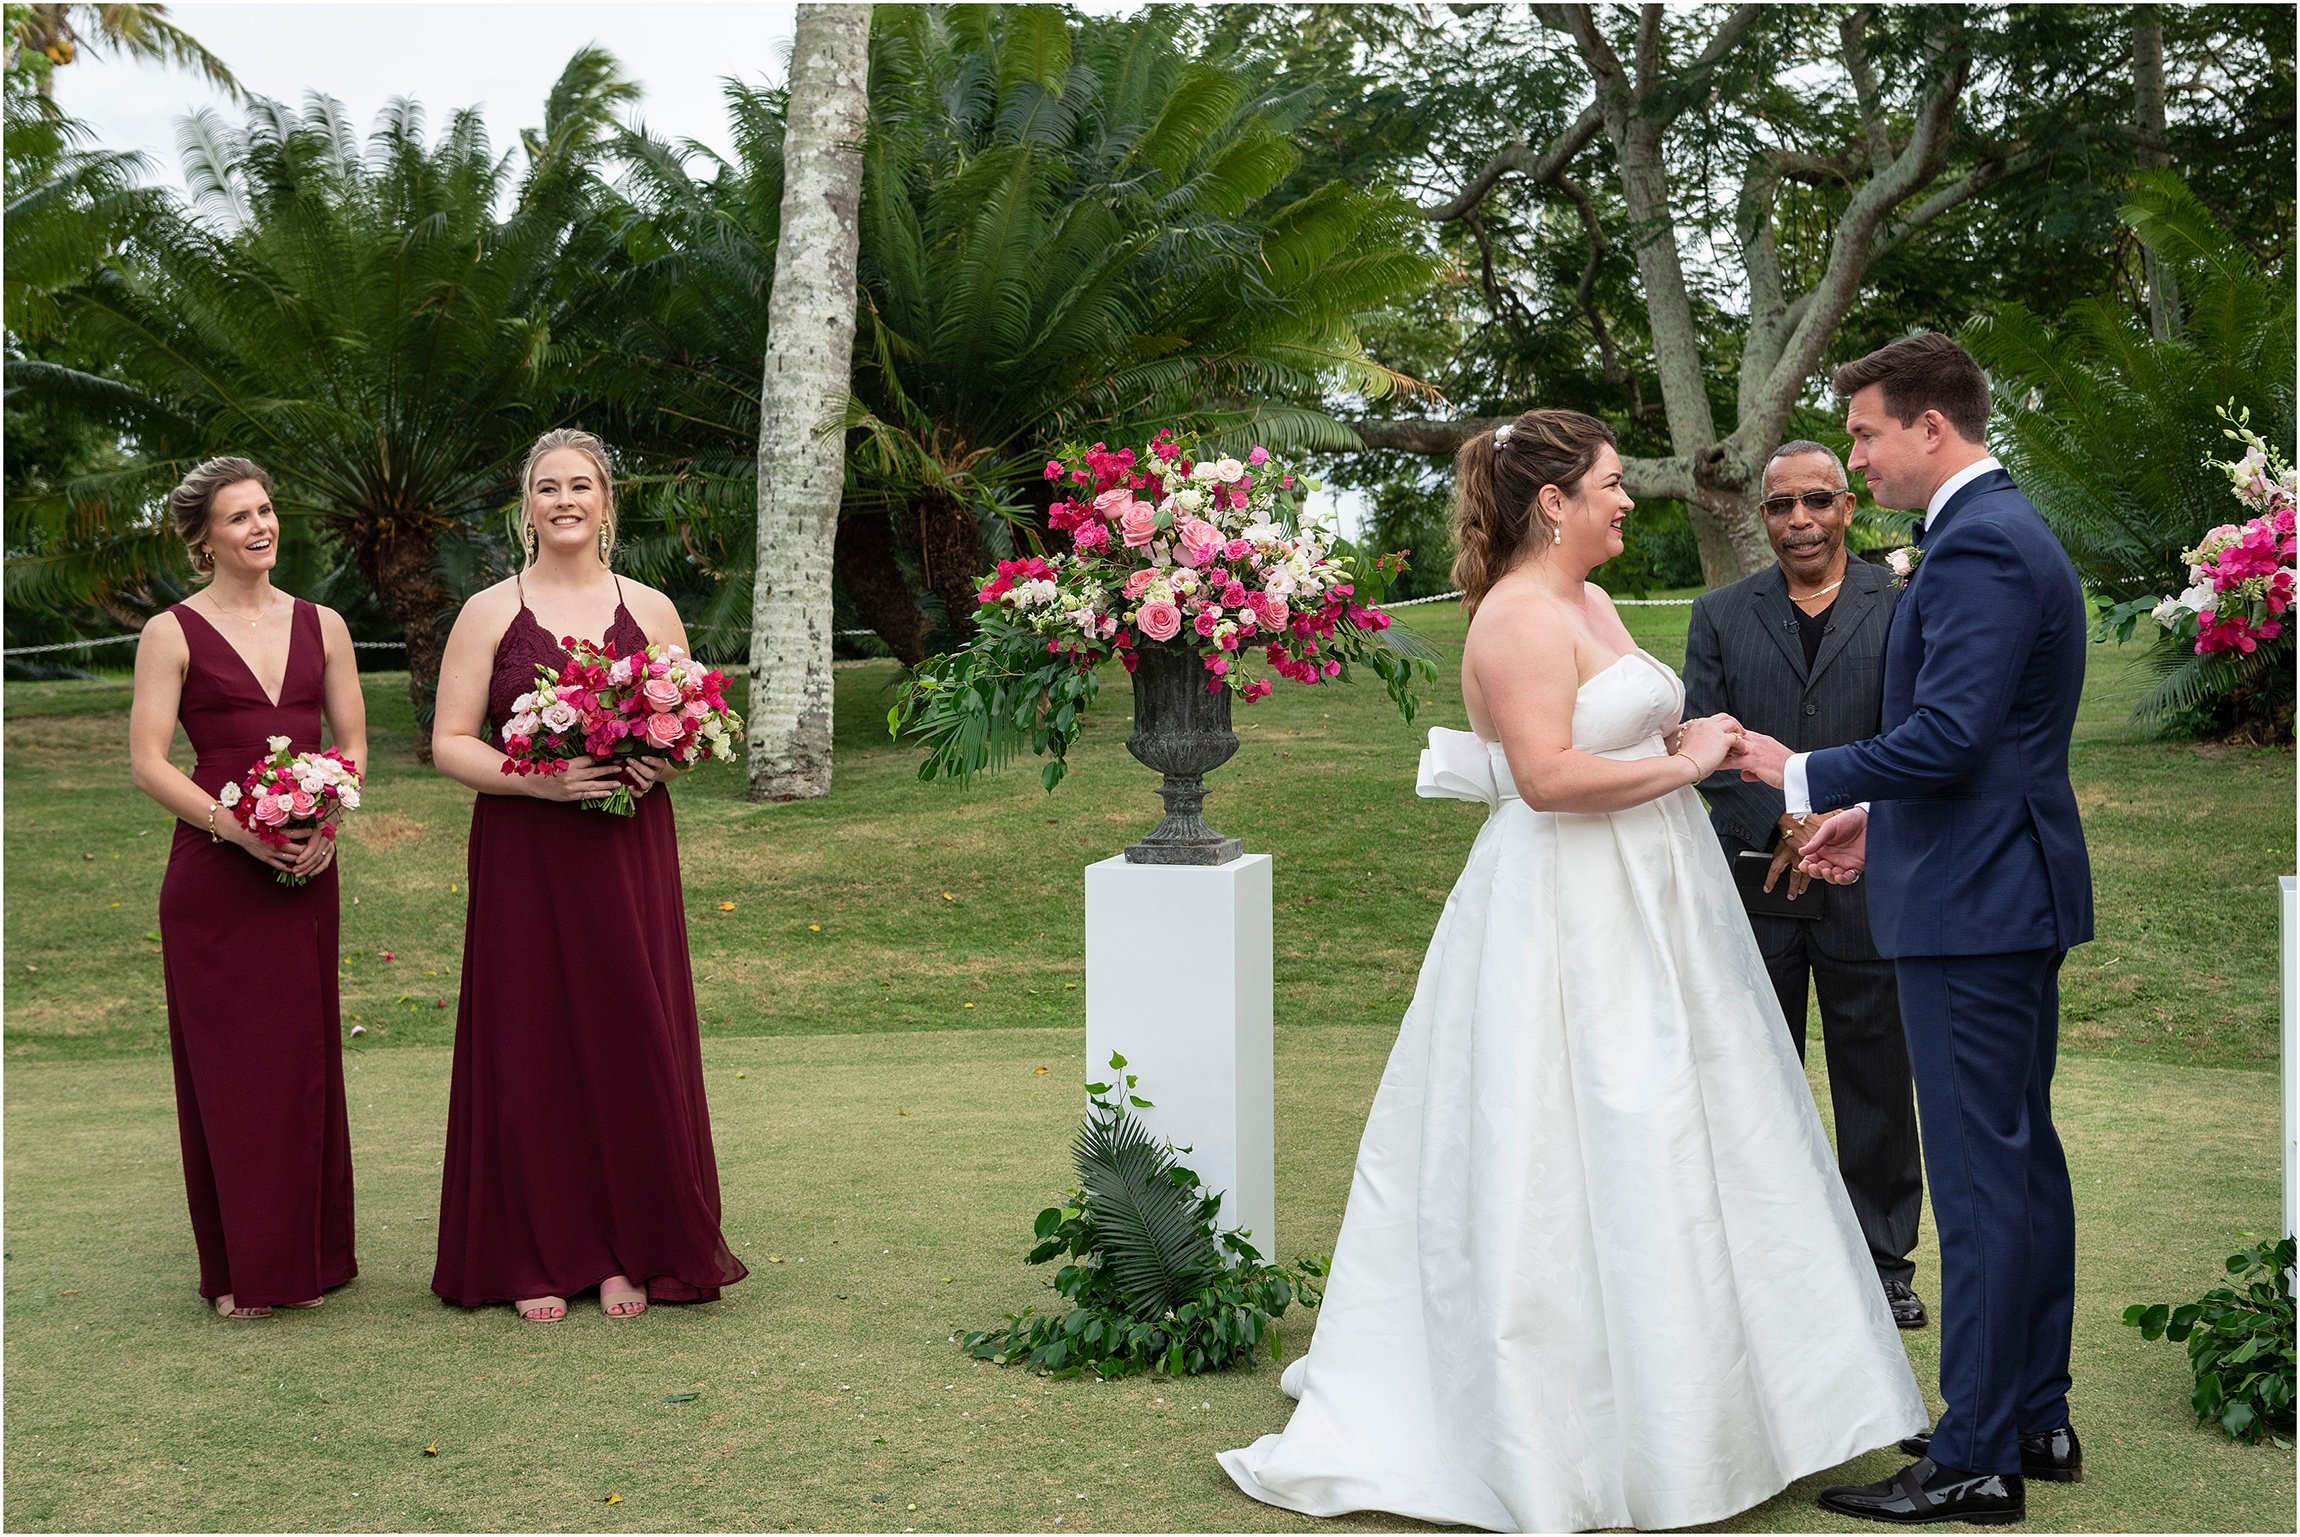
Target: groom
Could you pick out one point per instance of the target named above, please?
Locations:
(1978, 887)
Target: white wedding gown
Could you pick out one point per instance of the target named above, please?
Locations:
(1598, 1268)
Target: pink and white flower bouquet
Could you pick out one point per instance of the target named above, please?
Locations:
(1213, 555)
(658, 703)
(287, 792)
(2241, 575)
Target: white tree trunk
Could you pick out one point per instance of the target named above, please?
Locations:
(802, 403)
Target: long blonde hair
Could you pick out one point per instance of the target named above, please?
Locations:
(586, 444)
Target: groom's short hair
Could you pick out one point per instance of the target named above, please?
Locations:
(1925, 372)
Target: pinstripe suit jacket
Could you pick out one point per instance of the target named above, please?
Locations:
(1743, 656)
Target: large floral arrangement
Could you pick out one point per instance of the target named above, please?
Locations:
(658, 703)
(1214, 555)
(286, 792)
(2241, 574)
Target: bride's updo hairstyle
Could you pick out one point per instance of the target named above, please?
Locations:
(590, 447)
(1496, 477)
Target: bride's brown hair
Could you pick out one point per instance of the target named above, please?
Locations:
(1496, 477)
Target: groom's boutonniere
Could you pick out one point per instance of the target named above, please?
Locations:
(1903, 562)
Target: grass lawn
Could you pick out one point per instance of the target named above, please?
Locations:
(896, 962)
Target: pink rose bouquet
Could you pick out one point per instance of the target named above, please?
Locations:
(658, 703)
(2241, 575)
(286, 792)
(1215, 555)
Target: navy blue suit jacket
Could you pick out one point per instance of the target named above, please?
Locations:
(1974, 843)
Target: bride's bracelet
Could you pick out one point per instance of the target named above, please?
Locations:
(1699, 773)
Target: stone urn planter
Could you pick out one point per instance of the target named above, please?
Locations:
(1182, 731)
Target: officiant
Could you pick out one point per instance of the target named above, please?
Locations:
(1797, 651)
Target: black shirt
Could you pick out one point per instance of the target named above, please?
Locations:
(1810, 628)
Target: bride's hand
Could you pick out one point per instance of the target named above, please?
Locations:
(1709, 741)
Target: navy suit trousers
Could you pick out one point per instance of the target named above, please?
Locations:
(1983, 1032)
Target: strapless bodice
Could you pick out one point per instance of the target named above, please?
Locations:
(1620, 714)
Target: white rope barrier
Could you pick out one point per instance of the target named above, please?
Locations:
(1617, 602)
(394, 645)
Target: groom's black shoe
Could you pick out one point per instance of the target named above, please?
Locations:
(2050, 1456)
(1908, 1308)
(1925, 1491)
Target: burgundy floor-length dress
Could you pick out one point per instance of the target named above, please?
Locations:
(578, 1142)
(252, 1012)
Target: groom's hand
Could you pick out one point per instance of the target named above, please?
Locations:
(1759, 758)
(1838, 850)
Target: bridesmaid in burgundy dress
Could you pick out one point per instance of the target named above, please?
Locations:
(578, 1143)
(250, 963)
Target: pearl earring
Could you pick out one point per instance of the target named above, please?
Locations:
(529, 540)
(1556, 535)
(605, 544)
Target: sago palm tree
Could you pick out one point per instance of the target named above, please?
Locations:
(2109, 432)
(357, 318)
(1068, 230)
(59, 34)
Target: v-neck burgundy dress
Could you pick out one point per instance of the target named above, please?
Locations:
(578, 1142)
(252, 1014)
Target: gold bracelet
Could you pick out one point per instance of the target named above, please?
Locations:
(213, 835)
(1699, 773)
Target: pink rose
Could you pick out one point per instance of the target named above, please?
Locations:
(1160, 619)
(1138, 524)
(1139, 582)
(661, 694)
(271, 810)
(1233, 594)
(1197, 542)
(1258, 455)
(1207, 619)
(1271, 611)
(664, 730)
(1112, 502)
(301, 804)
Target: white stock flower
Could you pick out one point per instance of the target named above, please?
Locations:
(2199, 598)
(1189, 501)
(1034, 594)
(2168, 613)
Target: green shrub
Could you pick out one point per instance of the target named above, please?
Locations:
(2240, 1344)
(1152, 1283)
(2112, 435)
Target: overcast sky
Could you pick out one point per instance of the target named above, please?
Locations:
(500, 57)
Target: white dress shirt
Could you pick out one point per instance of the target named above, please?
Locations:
(1793, 791)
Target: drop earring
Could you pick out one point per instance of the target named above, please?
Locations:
(1556, 534)
(528, 538)
(606, 543)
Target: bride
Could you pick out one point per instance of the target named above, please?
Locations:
(1598, 1268)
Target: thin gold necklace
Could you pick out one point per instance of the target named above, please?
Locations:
(236, 614)
(1824, 592)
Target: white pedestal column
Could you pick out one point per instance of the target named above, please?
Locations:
(1178, 981)
(2291, 1063)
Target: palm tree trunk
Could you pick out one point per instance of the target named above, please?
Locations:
(401, 563)
(810, 356)
(2148, 129)
(874, 580)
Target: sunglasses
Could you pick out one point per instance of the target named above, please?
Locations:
(1815, 501)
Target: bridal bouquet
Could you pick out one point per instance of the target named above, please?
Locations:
(286, 792)
(1214, 555)
(2241, 574)
(658, 703)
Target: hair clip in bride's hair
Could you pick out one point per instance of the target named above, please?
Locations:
(1501, 435)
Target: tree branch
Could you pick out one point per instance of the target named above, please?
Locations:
(1852, 34)
(1854, 244)
(1670, 477)
(1540, 167)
